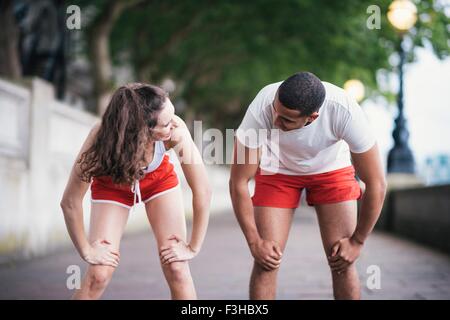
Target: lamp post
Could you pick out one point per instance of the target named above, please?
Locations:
(402, 15)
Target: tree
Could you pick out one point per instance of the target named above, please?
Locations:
(98, 39)
(9, 38)
(220, 53)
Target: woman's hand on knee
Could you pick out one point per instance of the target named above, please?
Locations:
(101, 253)
(178, 250)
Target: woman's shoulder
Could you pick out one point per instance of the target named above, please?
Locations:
(94, 131)
(178, 122)
(179, 132)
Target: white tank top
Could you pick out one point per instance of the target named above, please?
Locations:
(158, 156)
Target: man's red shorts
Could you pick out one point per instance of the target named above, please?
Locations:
(283, 191)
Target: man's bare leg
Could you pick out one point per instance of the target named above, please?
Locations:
(337, 221)
(273, 224)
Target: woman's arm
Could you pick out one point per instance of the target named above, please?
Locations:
(72, 207)
(196, 176)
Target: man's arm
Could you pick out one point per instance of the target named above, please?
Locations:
(243, 169)
(369, 169)
(267, 253)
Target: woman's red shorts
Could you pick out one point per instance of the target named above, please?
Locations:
(156, 183)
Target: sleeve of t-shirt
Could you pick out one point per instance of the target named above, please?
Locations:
(253, 129)
(356, 129)
(249, 133)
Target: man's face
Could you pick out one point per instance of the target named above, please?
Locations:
(288, 119)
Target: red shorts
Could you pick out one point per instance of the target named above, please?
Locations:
(154, 184)
(283, 191)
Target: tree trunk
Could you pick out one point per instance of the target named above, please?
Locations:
(98, 40)
(9, 47)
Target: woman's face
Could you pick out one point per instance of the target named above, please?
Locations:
(165, 124)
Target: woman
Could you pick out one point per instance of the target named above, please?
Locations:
(125, 158)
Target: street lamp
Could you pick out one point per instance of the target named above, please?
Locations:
(402, 15)
(355, 89)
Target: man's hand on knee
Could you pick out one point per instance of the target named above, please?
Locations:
(267, 253)
(343, 254)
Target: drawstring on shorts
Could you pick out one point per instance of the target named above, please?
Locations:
(135, 188)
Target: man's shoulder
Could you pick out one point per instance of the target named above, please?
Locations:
(259, 105)
(334, 92)
(268, 90)
(271, 87)
(335, 97)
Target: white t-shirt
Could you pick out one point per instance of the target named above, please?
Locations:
(321, 146)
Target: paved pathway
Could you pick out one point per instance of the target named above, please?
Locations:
(221, 271)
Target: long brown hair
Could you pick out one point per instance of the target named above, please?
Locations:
(119, 149)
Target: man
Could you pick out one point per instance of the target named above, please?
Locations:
(321, 131)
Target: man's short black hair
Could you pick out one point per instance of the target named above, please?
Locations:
(302, 91)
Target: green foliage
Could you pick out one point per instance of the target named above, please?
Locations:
(220, 53)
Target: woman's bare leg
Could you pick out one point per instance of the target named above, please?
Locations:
(166, 216)
(107, 222)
